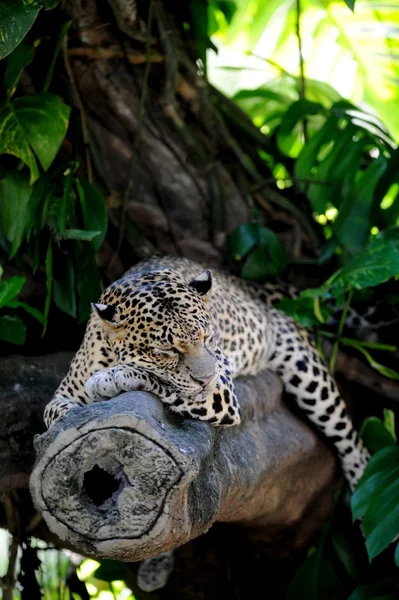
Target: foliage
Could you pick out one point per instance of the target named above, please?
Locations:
(339, 567)
(16, 18)
(318, 140)
(352, 50)
(61, 575)
(12, 328)
(52, 214)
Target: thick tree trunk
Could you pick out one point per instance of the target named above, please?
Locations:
(161, 139)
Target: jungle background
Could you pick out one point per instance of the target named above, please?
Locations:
(261, 136)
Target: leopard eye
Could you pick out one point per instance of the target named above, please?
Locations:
(171, 352)
(209, 338)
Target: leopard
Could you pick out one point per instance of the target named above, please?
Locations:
(173, 327)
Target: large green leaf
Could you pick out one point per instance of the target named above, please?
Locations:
(16, 18)
(33, 125)
(15, 192)
(383, 458)
(374, 266)
(380, 506)
(375, 434)
(384, 533)
(355, 51)
(373, 485)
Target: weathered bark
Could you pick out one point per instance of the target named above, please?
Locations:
(177, 173)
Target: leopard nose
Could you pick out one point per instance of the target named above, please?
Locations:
(206, 380)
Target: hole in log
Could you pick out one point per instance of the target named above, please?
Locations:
(99, 485)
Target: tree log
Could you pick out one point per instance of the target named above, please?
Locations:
(127, 479)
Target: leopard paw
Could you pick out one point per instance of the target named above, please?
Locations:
(101, 385)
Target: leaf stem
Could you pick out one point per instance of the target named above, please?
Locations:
(64, 30)
(301, 61)
(341, 326)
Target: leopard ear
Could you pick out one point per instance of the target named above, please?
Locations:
(203, 284)
(106, 312)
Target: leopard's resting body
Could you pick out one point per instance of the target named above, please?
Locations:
(169, 328)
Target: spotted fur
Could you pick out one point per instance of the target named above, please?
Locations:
(167, 328)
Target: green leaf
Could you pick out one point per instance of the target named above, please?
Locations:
(381, 459)
(33, 125)
(345, 553)
(15, 192)
(267, 259)
(227, 7)
(373, 485)
(27, 308)
(94, 210)
(243, 239)
(380, 507)
(16, 18)
(383, 369)
(375, 434)
(379, 590)
(16, 62)
(110, 570)
(301, 309)
(64, 283)
(350, 3)
(12, 330)
(352, 226)
(307, 159)
(64, 204)
(397, 555)
(80, 234)
(87, 279)
(9, 289)
(389, 418)
(375, 265)
(298, 111)
(384, 533)
(340, 164)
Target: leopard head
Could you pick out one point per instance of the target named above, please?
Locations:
(161, 323)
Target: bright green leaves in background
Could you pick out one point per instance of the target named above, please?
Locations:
(354, 51)
(16, 18)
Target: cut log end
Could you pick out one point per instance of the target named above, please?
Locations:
(127, 479)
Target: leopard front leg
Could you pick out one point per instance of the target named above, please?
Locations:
(295, 358)
(108, 383)
(58, 407)
(218, 405)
